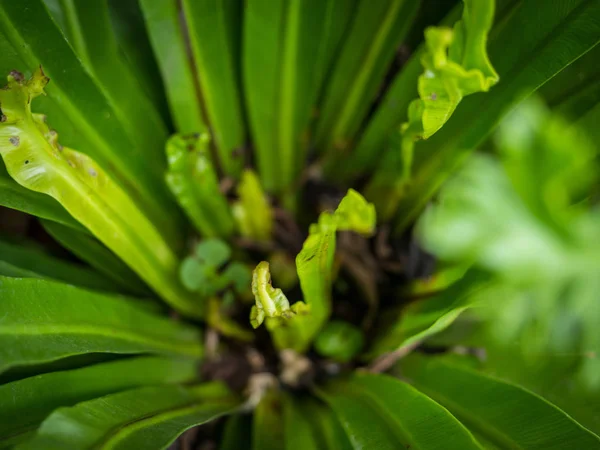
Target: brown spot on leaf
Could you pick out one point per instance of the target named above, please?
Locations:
(18, 76)
(433, 96)
(2, 118)
(15, 140)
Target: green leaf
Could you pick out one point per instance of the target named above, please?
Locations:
(253, 212)
(169, 43)
(25, 403)
(527, 49)
(456, 65)
(497, 410)
(340, 341)
(134, 43)
(287, 47)
(148, 417)
(314, 265)
(93, 252)
(327, 430)
(14, 196)
(82, 111)
(44, 321)
(214, 39)
(194, 183)
(35, 160)
(375, 33)
(213, 252)
(27, 261)
(378, 411)
(575, 90)
(268, 423)
(429, 316)
(299, 431)
(89, 31)
(237, 433)
(392, 111)
(543, 255)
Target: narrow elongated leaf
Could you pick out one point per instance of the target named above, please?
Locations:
(28, 261)
(89, 249)
(329, 434)
(525, 54)
(45, 320)
(378, 411)
(295, 42)
(497, 410)
(429, 316)
(300, 433)
(35, 160)
(262, 55)
(168, 41)
(376, 31)
(194, 183)
(314, 264)
(14, 196)
(134, 44)
(267, 423)
(80, 109)
(149, 417)
(392, 111)
(214, 38)
(237, 433)
(575, 90)
(25, 403)
(88, 28)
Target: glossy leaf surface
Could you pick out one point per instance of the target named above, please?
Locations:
(148, 417)
(35, 160)
(25, 403)
(377, 411)
(497, 410)
(45, 321)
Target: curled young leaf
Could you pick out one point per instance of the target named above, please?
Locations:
(314, 264)
(270, 301)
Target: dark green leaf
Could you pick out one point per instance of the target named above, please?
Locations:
(27, 261)
(25, 403)
(169, 43)
(44, 321)
(237, 433)
(378, 411)
(88, 29)
(329, 434)
(148, 417)
(496, 410)
(267, 423)
(375, 33)
(214, 33)
(89, 249)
